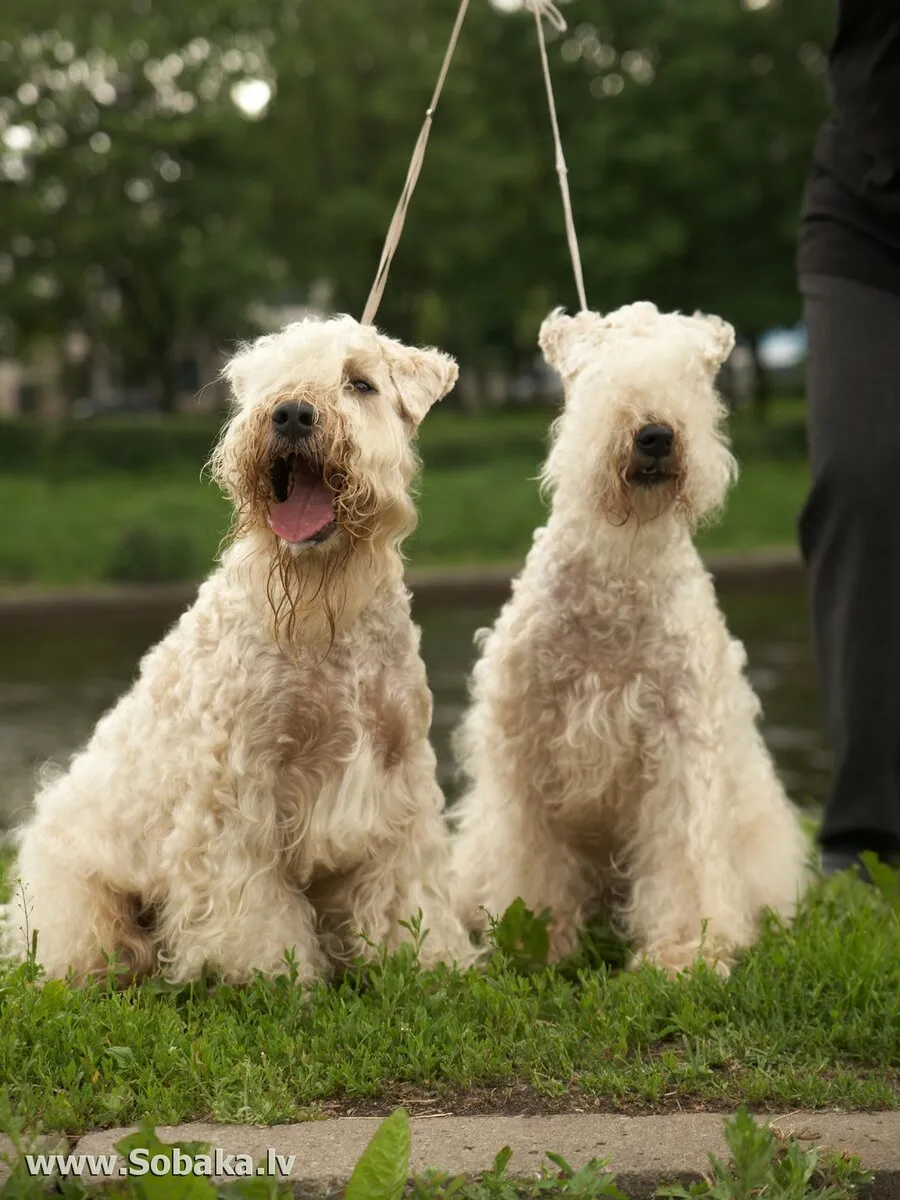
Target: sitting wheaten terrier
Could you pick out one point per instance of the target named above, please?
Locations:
(267, 785)
(611, 748)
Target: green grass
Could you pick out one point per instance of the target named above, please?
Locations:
(479, 504)
(810, 1018)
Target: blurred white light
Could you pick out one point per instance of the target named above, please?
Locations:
(54, 197)
(604, 56)
(753, 5)
(251, 96)
(173, 65)
(43, 286)
(138, 190)
(18, 137)
(12, 166)
(781, 349)
(198, 49)
(104, 92)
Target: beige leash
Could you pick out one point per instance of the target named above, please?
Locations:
(396, 227)
(541, 9)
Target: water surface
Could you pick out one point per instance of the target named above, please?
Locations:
(59, 674)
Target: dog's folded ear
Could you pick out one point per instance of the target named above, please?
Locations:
(552, 339)
(422, 377)
(236, 370)
(242, 372)
(721, 339)
(566, 341)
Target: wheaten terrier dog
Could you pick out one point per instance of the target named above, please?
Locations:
(611, 749)
(267, 785)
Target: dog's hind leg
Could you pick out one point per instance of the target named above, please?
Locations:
(500, 855)
(79, 918)
(688, 894)
(768, 844)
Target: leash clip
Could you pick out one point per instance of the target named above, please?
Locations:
(546, 8)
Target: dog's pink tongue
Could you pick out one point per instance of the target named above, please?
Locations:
(306, 512)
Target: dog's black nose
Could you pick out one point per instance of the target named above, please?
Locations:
(294, 419)
(655, 440)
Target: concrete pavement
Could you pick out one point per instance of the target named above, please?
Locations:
(643, 1151)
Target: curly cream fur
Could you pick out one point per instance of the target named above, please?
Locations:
(611, 748)
(267, 784)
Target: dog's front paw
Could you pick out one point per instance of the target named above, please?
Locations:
(564, 942)
(675, 960)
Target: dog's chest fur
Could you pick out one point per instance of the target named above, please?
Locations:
(342, 729)
(588, 677)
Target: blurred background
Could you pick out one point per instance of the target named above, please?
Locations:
(176, 176)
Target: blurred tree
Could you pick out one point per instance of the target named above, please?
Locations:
(131, 217)
(710, 111)
(688, 129)
(142, 203)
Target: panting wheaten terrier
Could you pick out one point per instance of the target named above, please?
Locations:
(267, 784)
(611, 749)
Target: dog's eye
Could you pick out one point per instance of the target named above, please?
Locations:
(362, 386)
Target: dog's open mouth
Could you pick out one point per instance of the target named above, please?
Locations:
(304, 503)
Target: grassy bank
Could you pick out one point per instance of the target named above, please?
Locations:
(810, 1018)
(82, 521)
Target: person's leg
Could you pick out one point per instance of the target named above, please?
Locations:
(850, 539)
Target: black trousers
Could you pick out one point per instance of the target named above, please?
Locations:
(850, 539)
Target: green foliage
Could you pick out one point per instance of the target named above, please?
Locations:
(522, 940)
(884, 878)
(780, 1169)
(555, 1178)
(382, 1171)
(165, 1186)
(122, 445)
(522, 937)
(151, 555)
